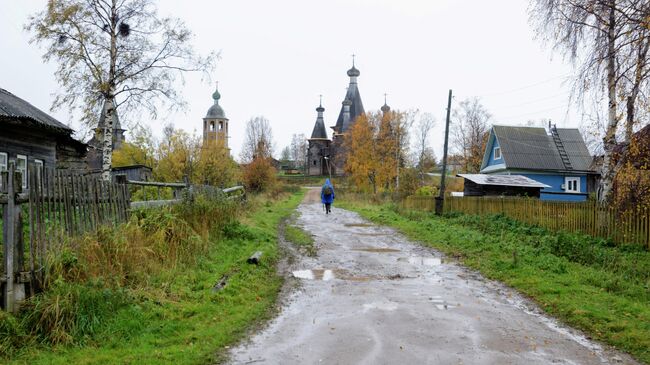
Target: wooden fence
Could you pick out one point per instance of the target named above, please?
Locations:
(590, 218)
(56, 205)
(59, 204)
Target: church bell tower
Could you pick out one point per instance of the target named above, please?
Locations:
(215, 123)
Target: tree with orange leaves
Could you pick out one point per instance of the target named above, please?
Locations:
(362, 161)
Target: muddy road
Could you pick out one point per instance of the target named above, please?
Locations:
(373, 297)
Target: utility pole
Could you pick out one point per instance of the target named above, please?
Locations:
(440, 200)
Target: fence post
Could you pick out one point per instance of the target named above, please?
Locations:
(11, 237)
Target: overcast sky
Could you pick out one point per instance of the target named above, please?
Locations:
(278, 56)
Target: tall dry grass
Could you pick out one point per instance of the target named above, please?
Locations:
(90, 277)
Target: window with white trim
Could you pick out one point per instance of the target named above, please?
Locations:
(4, 159)
(497, 153)
(21, 165)
(572, 184)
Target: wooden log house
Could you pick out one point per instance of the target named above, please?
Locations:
(30, 136)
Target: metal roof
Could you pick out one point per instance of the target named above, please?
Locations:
(13, 107)
(503, 180)
(532, 148)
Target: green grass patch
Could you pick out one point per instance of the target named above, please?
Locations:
(175, 316)
(300, 238)
(588, 283)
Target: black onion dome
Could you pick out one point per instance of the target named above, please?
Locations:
(354, 72)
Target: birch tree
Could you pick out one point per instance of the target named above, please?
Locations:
(258, 140)
(116, 54)
(469, 131)
(423, 151)
(607, 40)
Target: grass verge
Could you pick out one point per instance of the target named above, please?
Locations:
(587, 283)
(173, 315)
(300, 238)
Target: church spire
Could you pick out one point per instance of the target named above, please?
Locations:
(354, 98)
(385, 108)
(353, 73)
(319, 131)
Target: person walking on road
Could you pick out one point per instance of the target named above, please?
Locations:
(327, 196)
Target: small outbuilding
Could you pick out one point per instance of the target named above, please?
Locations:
(501, 185)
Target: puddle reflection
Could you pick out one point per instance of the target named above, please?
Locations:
(422, 261)
(376, 249)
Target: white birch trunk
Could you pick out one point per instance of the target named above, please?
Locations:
(609, 140)
(107, 140)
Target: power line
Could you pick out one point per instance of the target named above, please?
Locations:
(535, 112)
(524, 87)
(534, 101)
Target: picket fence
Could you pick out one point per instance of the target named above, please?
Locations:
(592, 218)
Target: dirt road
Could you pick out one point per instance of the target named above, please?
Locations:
(373, 297)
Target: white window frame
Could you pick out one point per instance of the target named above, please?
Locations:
(39, 167)
(497, 149)
(24, 171)
(572, 184)
(4, 166)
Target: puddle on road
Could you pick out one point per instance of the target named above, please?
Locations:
(327, 275)
(358, 225)
(441, 304)
(318, 274)
(384, 306)
(376, 249)
(422, 261)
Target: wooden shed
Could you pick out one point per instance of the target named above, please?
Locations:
(133, 172)
(500, 185)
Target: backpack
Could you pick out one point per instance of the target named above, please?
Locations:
(327, 191)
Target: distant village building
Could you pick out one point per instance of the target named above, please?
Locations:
(558, 158)
(215, 123)
(325, 155)
(29, 136)
(96, 142)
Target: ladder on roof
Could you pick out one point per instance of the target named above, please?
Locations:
(560, 148)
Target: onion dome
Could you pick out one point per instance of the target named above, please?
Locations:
(215, 110)
(354, 72)
(385, 108)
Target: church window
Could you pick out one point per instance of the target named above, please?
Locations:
(220, 126)
(314, 162)
(211, 126)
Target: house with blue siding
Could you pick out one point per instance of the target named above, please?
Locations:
(557, 157)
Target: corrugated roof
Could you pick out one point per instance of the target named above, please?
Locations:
(532, 148)
(575, 148)
(504, 180)
(13, 107)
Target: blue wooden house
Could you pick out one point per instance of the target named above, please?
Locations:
(557, 157)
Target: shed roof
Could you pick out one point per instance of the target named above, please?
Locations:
(503, 180)
(13, 107)
(533, 149)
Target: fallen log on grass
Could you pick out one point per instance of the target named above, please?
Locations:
(255, 258)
